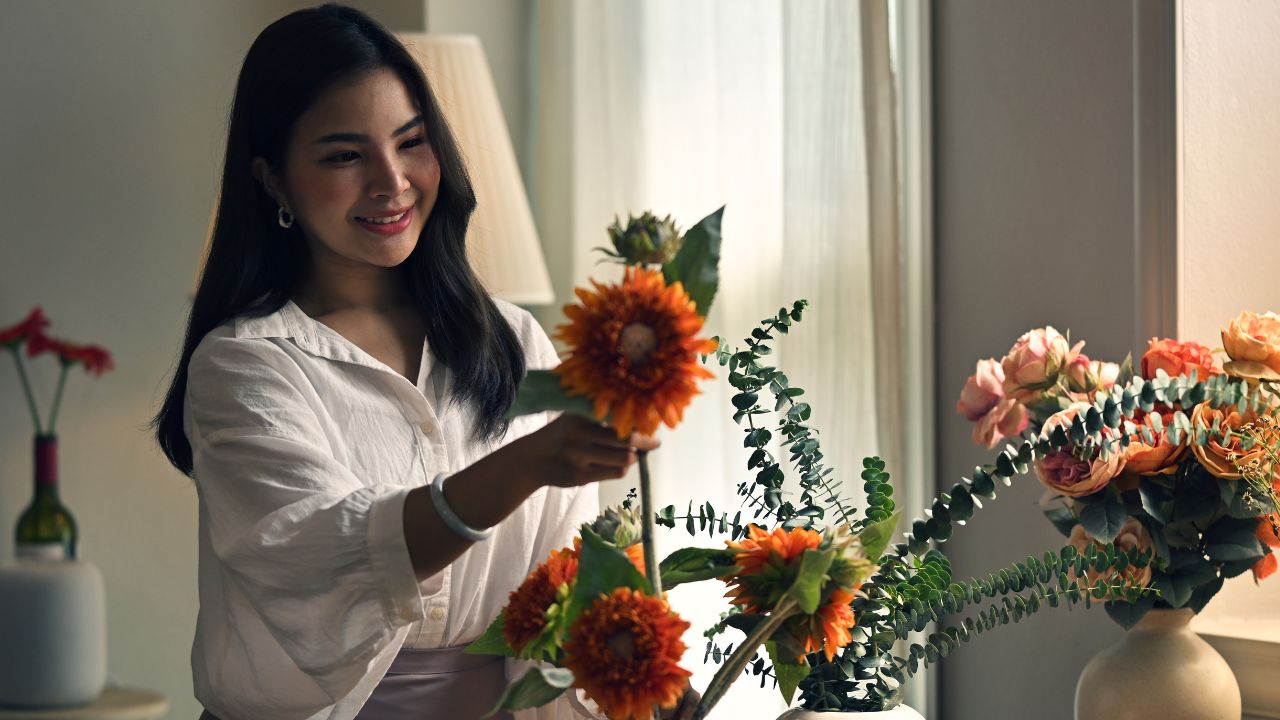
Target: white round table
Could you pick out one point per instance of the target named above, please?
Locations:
(115, 703)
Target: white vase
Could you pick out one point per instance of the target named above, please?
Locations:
(1160, 669)
(902, 712)
(53, 638)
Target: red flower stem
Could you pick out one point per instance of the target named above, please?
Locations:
(57, 396)
(26, 387)
(737, 662)
(646, 536)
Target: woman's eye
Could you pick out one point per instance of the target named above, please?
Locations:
(414, 142)
(341, 157)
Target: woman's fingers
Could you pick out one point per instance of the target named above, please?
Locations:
(643, 442)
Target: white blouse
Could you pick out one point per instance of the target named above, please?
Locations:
(304, 448)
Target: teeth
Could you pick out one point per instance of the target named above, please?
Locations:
(384, 220)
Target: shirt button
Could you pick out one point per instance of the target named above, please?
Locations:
(437, 613)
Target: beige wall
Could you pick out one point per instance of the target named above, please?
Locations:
(111, 134)
(1034, 225)
(1229, 252)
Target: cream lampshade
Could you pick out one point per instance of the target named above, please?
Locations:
(502, 242)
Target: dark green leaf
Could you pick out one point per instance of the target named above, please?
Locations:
(875, 537)
(1103, 515)
(787, 670)
(492, 641)
(601, 568)
(696, 265)
(541, 391)
(1126, 615)
(539, 686)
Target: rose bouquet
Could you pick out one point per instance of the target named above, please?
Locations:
(1177, 455)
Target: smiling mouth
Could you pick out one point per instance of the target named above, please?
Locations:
(383, 219)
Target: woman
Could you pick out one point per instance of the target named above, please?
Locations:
(342, 365)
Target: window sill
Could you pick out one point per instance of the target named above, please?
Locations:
(1252, 649)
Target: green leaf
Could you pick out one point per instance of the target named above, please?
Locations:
(539, 686)
(787, 670)
(696, 265)
(1103, 515)
(875, 537)
(1061, 517)
(807, 589)
(492, 641)
(693, 564)
(541, 391)
(601, 568)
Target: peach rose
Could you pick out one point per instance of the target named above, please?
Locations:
(1035, 361)
(1080, 375)
(1253, 338)
(1178, 358)
(1133, 537)
(982, 391)
(1162, 458)
(1222, 457)
(1007, 419)
(1064, 473)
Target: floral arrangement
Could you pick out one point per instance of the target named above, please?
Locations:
(31, 333)
(1177, 456)
(812, 581)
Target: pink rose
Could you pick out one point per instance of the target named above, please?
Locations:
(1133, 537)
(1107, 373)
(1064, 473)
(1035, 362)
(1007, 419)
(982, 391)
(1080, 375)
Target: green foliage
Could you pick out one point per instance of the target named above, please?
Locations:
(492, 641)
(696, 266)
(788, 672)
(541, 391)
(539, 686)
(601, 568)
(693, 564)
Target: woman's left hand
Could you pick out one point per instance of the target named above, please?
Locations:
(684, 710)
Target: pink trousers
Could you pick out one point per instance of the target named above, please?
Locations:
(436, 684)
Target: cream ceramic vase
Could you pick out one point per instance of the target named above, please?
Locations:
(902, 712)
(1160, 669)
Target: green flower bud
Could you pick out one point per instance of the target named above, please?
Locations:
(618, 526)
(646, 240)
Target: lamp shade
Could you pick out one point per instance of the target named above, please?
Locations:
(501, 240)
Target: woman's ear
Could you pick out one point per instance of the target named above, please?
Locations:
(263, 174)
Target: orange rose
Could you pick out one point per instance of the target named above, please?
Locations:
(1222, 457)
(1267, 534)
(1159, 459)
(1178, 358)
(1254, 340)
(1133, 537)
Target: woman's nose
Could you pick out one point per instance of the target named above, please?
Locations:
(388, 178)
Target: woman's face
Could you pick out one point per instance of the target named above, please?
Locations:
(359, 175)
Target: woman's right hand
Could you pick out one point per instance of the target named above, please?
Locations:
(574, 450)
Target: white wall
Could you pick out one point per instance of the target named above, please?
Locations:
(1229, 252)
(1034, 225)
(111, 133)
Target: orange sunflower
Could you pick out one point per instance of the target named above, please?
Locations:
(828, 629)
(624, 652)
(633, 351)
(769, 562)
(526, 617)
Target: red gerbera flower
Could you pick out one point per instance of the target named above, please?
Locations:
(624, 652)
(34, 323)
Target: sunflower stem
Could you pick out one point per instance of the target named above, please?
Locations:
(646, 512)
(737, 662)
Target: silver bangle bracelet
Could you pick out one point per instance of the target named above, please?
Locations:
(450, 517)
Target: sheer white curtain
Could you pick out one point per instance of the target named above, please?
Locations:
(769, 108)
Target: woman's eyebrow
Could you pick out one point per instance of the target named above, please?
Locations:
(358, 138)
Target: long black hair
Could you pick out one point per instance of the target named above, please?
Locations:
(254, 265)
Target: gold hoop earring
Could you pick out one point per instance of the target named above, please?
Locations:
(284, 218)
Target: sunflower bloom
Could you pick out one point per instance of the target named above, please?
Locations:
(827, 630)
(633, 351)
(624, 652)
(527, 615)
(769, 562)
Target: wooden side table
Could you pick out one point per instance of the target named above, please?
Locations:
(115, 703)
